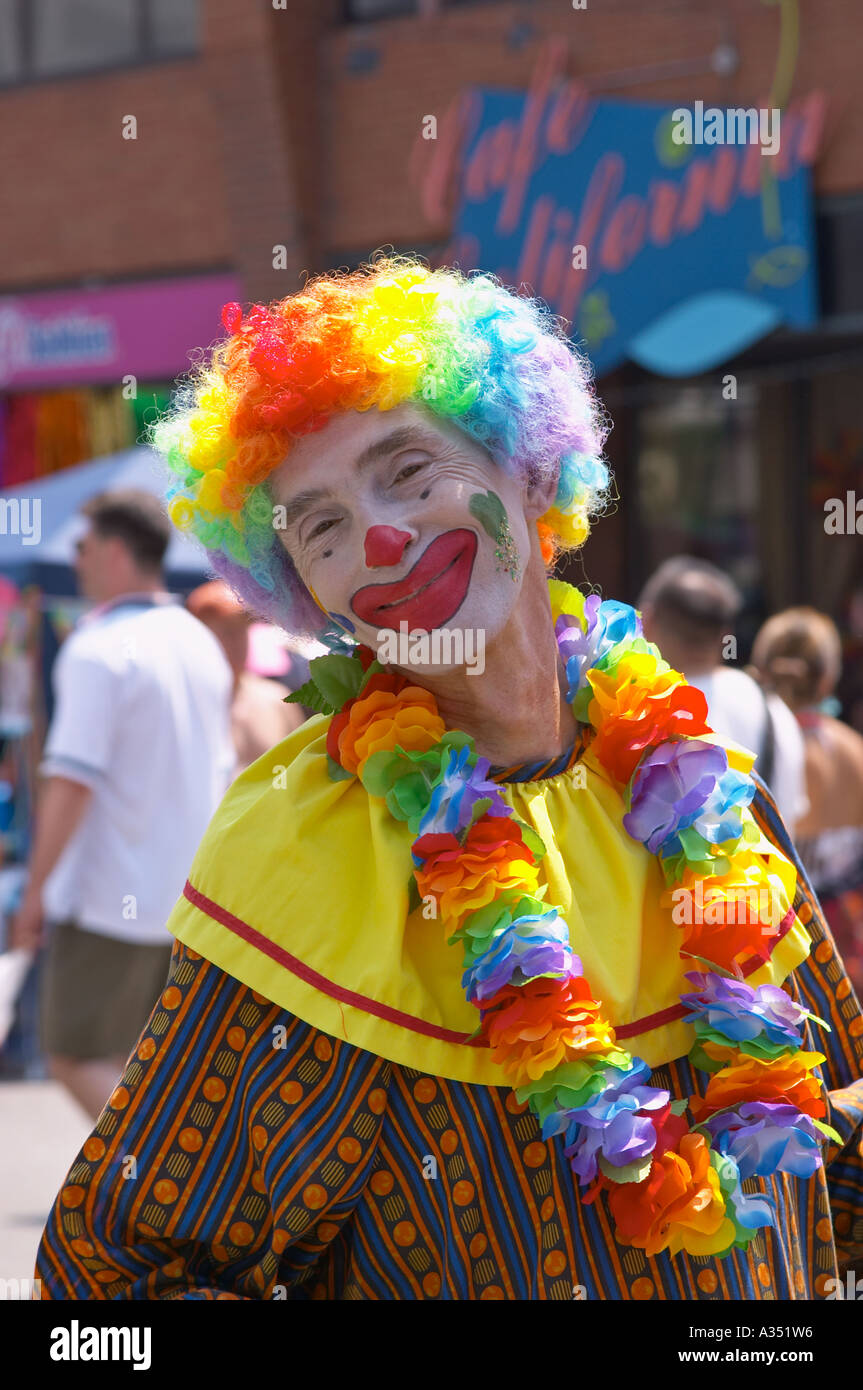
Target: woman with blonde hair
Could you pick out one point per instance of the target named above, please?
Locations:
(798, 655)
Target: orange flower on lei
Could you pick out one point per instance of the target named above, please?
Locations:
(543, 1023)
(465, 877)
(728, 918)
(786, 1081)
(635, 706)
(678, 1204)
(389, 712)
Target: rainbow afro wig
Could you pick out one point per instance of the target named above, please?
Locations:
(498, 365)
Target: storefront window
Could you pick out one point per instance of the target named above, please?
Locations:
(175, 27)
(48, 38)
(360, 10)
(73, 35)
(10, 54)
(698, 482)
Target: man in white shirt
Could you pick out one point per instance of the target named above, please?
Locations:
(688, 609)
(136, 760)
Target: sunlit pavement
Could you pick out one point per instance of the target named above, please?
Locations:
(42, 1130)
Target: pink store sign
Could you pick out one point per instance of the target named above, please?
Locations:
(76, 337)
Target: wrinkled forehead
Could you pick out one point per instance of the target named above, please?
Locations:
(349, 446)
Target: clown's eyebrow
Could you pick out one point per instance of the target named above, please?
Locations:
(301, 503)
(390, 444)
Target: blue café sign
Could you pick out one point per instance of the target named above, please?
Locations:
(674, 237)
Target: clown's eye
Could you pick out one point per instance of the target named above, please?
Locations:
(407, 471)
(322, 527)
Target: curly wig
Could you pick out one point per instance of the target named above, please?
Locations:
(469, 350)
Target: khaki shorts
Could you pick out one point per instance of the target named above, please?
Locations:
(97, 993)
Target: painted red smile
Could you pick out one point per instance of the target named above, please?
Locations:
(429, 594)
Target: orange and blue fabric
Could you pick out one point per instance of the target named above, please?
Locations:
(319, 1123)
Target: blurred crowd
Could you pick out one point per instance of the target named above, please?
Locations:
(160, 704)
(157, 706)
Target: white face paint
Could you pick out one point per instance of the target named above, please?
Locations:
(387, 517)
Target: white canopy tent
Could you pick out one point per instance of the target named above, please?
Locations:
(60, 496)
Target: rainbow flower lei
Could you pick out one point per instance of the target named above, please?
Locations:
(672, 1183)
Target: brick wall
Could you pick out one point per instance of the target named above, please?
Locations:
(81, 201)
(293, 129)
(224, 168)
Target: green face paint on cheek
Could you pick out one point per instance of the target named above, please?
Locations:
(491, 514)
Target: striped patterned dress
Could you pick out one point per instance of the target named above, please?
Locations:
(245, 1154)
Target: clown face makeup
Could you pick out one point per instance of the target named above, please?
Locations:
(395, 519)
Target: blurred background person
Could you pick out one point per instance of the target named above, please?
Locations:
(689, 608)
(136, 759)
(797, 654)
(259, 716)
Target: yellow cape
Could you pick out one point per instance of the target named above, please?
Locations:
(300, 890)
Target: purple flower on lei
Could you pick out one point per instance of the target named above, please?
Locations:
(456, 794)
(536, 944)
(670, 788)
(686, 785)
(610, 1124)
(765, 1138)
(740, 1012)
(606, 623)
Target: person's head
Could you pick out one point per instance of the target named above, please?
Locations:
(688, 606)
(798, 653)
(380, 418)
(123, 547)
(216, 607)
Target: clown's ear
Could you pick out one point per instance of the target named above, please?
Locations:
(539, 495)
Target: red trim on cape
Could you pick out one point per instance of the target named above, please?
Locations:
(311, 977)
(416, 1025)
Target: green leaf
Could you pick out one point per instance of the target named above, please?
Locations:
(374, 669)
(310, 696)
(489, 512)
(456, 738)
(678, 1107)
(479, 808)
(337, 678)
(337, 773)
(820, 1021)
(533, 841)
(630, 1172)
(699, 1059)
(307, 694)
(826, 1129)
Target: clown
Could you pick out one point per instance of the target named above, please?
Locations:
(435, 1026)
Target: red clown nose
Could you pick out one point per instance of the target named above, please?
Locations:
(385, 546)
